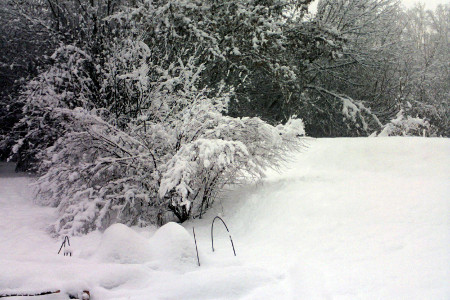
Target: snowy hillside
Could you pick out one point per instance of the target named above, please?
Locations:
(365, 218)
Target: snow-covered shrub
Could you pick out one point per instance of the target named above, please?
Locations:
(96, 175)
(406, 126)
(65, 84)
(125, 88)
(175, 156)
(213, 149)
(173, 153)
(148, 139)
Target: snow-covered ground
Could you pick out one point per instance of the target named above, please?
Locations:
(365, 218)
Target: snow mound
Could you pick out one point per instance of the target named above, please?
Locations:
(173, 246)
(170, 247)
(121, 244)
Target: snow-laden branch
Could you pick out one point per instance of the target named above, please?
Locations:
(352, 109)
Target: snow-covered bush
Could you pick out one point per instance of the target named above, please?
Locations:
(133, 134)
(97, 175)
(66, 84)
(173, 153)
(406, 126)
(228, 150)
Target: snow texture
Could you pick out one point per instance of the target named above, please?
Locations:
(364, 218)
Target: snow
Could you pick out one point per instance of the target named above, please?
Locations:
(173, 246)
(121, 244)
(361, 218)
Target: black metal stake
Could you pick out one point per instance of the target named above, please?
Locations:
(198, 259)
(66, 238)
(212, 235)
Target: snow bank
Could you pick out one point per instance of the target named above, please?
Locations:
(349, 219)
(352, 218)
(121, 244)
(173, 246)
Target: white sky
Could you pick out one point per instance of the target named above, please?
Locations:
(430, 4)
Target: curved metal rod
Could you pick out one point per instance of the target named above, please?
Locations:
(66, 238)
(198, 259)
(226, 227)
(29, 294)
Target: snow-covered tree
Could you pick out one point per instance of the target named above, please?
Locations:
(23, 47)
(357, 39)
(386, 59)
(423, 73)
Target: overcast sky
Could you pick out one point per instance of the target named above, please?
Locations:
(430, 4)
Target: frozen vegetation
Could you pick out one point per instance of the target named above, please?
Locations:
(140, 120)
(143, 112)
(361, 218)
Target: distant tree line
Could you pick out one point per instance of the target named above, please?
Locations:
(129, 109)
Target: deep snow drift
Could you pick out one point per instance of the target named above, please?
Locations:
(365, 218)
